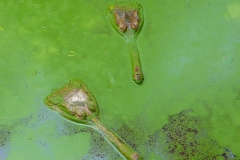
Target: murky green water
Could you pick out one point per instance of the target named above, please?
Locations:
(188, 105)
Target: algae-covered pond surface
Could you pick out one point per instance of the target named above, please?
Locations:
(188, 106)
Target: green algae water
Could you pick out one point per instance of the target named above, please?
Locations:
(187, 108)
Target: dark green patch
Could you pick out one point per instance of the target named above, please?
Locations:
(100, 149)
(5, 135)
(186, 137)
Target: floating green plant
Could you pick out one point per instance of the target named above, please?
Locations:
(127, 20)
(75, 102)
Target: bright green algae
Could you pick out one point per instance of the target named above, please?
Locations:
(190, 56)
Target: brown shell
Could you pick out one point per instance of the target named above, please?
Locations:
(121, 22)
(126, 20)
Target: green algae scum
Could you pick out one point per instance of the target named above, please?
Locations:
(127, 19)
(187, 107)
(76, 103)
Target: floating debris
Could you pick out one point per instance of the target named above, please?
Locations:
(75, 102)
(127, 19)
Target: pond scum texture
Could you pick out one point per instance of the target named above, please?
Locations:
(184, 137)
